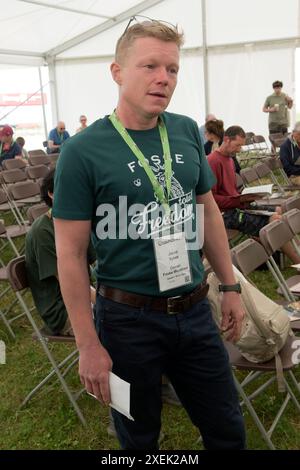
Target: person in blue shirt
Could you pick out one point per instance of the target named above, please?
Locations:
(57, 137)
(8, 147)
(290, 155)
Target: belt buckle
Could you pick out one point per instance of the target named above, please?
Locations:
(170, 308)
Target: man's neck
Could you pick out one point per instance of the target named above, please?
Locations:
(131, 120)
(222, 149)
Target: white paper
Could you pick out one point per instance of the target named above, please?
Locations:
(120, 395)
(262, 189)
(295, 288)
(297, 266)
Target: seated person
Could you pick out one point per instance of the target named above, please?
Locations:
(41, 266)
(214, 131)
(21, 142)
(83, 123)
(209, 117)
(229, 200)
(290, 155)
(57, 137)
(8, 147)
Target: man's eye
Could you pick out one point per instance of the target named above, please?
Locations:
(150, 66)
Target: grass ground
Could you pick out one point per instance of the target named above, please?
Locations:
(49, 422)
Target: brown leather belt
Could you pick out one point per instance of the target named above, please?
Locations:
(170, 305)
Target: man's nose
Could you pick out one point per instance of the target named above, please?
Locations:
(162, 75)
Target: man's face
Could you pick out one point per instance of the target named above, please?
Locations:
(6, 139)
(277, 90)
(234, 146)
(148, 76)
(61, 127)
(296, 136)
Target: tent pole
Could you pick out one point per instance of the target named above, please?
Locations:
(43, 104)
(205, 62)
(53, 89)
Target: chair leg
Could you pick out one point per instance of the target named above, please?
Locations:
(2, 315)
(253, 414)
(52, 361)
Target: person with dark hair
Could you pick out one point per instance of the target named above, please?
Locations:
(214, 131)
(21, 142)
(278, 105)
(231, 203)
(141, 173)
(41, 267)
(208, 117)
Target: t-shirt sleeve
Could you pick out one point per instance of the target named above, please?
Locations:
(52, 135)
(74, 196)
(267, 102)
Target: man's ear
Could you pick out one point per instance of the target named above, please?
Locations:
(116, 73)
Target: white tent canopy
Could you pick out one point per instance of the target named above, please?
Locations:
(234, 50)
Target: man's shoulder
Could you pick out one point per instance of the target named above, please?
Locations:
(42, 224)
(178, 118)
(214, 156)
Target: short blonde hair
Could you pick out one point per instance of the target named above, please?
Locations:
(150, 28)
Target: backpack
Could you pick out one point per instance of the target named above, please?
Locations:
(266, 325)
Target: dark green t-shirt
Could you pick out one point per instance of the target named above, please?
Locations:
(41, 267)
(98, 178)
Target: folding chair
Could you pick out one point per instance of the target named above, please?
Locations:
(36, 172)
(13, 163)
(25, 192)
(35, 211)
(16, 271)
(5, 293)
(273, 236)
(35, 152)
(238, 362)
(13, 176)
(39, 160)
(291, 203)
(274, 163)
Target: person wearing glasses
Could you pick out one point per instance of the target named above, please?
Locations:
(83, 123)
(133, 178)
(57, 137)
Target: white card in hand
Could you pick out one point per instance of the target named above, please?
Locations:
(120, 395)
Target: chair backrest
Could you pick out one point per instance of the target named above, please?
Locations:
(32, 153)
(291, 203)
(16, 271)
(13, 163)
(24, 189)
(262, 170)
(249, 175)
(259, 139)
(37, 171)
(39, 160)
(292, 219)
(273, 163)
(36, 211)
(248, 255)
(274, 235)
(13, 176)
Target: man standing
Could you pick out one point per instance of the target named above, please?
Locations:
(57, 137)
(8, 147)
(290, 155)
(277, 105)
(83, 123)
(141, 172)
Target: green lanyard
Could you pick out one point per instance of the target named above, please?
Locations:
(158, 189)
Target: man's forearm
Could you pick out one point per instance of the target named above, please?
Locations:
(75, 288)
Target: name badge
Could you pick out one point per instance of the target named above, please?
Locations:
(172, 260)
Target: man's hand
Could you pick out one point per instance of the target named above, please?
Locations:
(94, 367)
(233, 315)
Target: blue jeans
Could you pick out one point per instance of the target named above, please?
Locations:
(145, 344)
